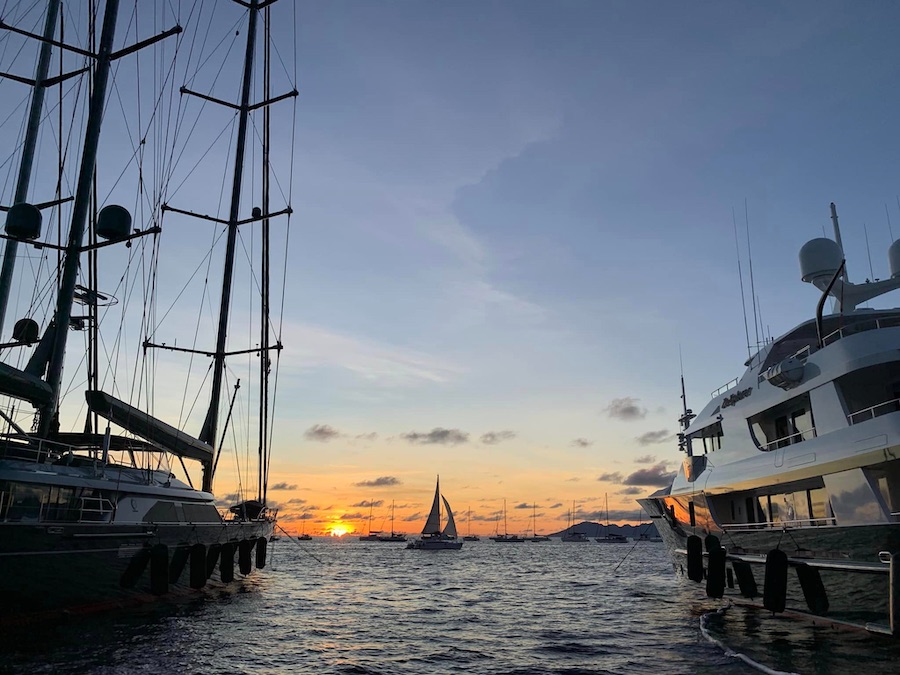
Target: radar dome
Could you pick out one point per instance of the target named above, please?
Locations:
(894, 259)
(820, 257)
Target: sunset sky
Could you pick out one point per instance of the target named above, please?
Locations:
(514, 221)
(515, 218)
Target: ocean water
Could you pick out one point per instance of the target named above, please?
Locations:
(344, 606)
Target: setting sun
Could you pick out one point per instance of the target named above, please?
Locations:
(339, 530)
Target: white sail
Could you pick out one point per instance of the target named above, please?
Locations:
(450, 529)
(433, 524)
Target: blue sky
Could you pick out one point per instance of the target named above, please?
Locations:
(514, 213)
(512, 218)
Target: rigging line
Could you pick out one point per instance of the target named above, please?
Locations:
(752, 285)
(890, 229)
(283, 531)
(737, 252)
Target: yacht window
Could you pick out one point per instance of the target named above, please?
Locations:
(871, 392)
(887, 477)
(692, 514)
(818, 504)
(853, 500)
(26, 501)
(782, 425)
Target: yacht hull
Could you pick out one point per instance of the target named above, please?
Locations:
(833, 572)
(50, 568)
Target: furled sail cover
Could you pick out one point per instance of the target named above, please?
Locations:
(20, 384)
(147, 427)
(433, 524)
(450, 530)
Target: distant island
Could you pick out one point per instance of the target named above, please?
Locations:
(591, 529)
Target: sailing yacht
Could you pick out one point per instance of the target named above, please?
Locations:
(373, 535)
(534, 534)
(610, 537)
(571, 535)
(506, 537)
(117, 402)
(469, 536)
(433, 537)
(393, 536)
(791, 473)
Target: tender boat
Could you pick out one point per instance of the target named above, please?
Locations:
(790, 483)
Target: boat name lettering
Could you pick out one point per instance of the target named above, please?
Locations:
(737, 396)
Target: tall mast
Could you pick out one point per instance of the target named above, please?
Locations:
(210, 425)
(31, 134)
(264, 272)
(50, 411)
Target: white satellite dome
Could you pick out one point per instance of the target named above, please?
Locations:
(894, 259)
(822, 257)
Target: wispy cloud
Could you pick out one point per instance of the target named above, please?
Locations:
(658, 475)
(437, 436)
(386, 365)
(381, 481)
(321, 432)
(614, 477)
(523, 505)
(630, 491)
(645, 459)
(494, 437)
(282, 486)
(375, 503)
(581, 443)
(625, 409)
(650, 438)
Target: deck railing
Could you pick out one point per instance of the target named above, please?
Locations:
(779, 524)
(874, 411)
(725, 387)
(791, 439)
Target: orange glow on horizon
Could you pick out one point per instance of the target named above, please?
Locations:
(338, 529)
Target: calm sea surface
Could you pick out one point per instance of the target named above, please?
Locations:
(332, 606)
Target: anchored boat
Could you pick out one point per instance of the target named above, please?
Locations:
(435, 538)
(789, 492)
(106, 495)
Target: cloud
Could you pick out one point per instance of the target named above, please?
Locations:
(625, 409)
(296, 500)
(494, 437)
(437, 436)
(282, 486)
(582, 443)
(631, 491)
(523, 505)
(371, 436)
(381, 481)
(321, 432)
(557, 505)
(379, 502)
(645, 459)
(413, 518)
(375, 363)
(657, 475)
(574, 479)
(231, 498)
(353, 516)
(650, 438)
(610, 477)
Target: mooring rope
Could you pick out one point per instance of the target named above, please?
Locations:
(730, 652)
(284, 532)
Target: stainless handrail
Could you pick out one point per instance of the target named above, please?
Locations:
(870, 411)
(774, 445)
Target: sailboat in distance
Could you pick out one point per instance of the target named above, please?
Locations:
(469, 536)
(433, 537)
(394, 536)
(534, 534)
